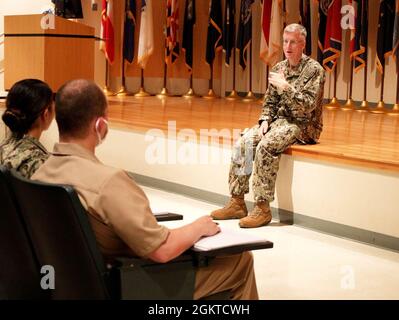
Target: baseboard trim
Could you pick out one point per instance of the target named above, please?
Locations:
(286, 217)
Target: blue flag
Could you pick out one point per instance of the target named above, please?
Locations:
(128, 34)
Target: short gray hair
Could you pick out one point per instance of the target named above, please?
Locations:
(295, 27)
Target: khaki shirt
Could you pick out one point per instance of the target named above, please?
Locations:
(118, 209)
(25, 154)
(302, 103)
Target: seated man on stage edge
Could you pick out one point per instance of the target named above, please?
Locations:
(117, 207)
(292, 112)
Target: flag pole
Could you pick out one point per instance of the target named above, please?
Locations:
(123, 91)
(381, 104)
(190, 93)
(364, 107)
(233, 94)
(250, 95)
(106, 90)
(164, 91)
(211, 94)
(395, 110)
(142, 93)
(334, 104)
(350, 105)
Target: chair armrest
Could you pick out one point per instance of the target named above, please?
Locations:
(136, 278)
(130, 262)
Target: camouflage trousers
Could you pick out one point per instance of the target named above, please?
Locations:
(260, 157)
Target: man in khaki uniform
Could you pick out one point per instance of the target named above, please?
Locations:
(292, 112)
(118, 209)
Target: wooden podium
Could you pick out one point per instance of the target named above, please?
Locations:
(48, 48)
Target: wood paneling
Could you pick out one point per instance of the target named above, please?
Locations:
(51, 59)
(360, 139)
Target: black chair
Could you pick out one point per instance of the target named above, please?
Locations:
(19, 269)
(62, 237)
(51, 228)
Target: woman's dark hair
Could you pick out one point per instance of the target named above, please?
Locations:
(26, 101)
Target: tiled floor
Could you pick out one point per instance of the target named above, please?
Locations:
(303, 264)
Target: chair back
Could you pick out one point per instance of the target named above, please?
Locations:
(62, 239)
(19, 269)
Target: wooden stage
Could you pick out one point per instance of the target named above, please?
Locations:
(349, 137)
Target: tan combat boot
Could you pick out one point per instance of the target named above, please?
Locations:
(261, 215)
(234, 209)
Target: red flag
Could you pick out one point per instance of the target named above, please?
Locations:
(265, 32)
(107, 30)
(333, 37)
(272, 28)
(172, 31)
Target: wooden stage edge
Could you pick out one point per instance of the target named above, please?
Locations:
(361, 139)
(365, 140)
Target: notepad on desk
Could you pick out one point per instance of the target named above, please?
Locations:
(237, 241)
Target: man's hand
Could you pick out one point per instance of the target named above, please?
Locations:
(207, 226)
(263, 128)
(278, 80)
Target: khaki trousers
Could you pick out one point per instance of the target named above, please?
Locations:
(233, 272)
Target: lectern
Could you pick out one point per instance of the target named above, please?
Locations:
(47, 47)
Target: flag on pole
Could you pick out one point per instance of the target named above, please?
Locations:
(229, 29)
(172, 30)
(385, 32)
(333, 38)
(244, 31)
(265, 30)
(107, 30)
(323, 8)
(188, 33)
(214, 36)
(358, 43)
(128, 33)
(146, 36)
(396, 37)
(306, 21)
(272, 27)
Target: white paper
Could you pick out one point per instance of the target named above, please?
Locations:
(227, 238)
(160, 213)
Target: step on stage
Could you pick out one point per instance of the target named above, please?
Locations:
(349, 137)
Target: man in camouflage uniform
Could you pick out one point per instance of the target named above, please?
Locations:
(292, 112)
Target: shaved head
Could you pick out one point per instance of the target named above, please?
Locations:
(77, 103)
